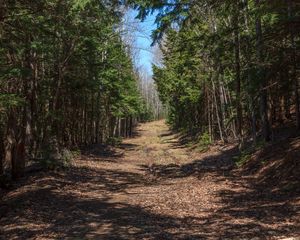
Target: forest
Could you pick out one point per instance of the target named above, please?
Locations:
(66, 79)
(230, 68)
(82, 126)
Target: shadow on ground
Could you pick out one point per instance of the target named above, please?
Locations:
(251, 208)
(220, 164)
(106, 153)
(175, 139)
(86, 203)
(53, 206)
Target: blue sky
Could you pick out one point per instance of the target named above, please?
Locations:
(143, 42)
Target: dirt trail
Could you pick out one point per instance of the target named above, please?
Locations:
(151, 187)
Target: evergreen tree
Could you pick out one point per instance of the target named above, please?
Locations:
(230, 67)
(66, 78)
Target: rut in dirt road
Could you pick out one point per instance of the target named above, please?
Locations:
(151, 187)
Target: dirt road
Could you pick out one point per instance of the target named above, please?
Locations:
(151, 187)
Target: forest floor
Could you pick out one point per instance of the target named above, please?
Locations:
(150, 187)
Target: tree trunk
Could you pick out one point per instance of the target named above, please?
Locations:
(237, 71)
(263, 82)
(217, 113)
(1, 154)
(294, 65)
(16, 147)
(130, 126)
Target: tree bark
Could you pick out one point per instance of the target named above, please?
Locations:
(237, 70)
(294, 64)
(263, 82)
(1, 153)
(17, 146)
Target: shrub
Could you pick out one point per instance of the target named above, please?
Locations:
(114, 141)
(51, 157)
(241, 159)
(204, 142)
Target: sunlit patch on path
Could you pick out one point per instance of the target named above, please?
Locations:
(148, 188)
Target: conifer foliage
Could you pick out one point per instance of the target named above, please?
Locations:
(231, 68)
(66, 78)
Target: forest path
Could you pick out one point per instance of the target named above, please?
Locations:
(151, 187)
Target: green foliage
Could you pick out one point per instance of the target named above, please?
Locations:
(218, 63)
(114, 141)
(260, 144)
(76, 153)
(10, 100)
(65, 74)
(242, 158)
(51, 159)
(204, 142)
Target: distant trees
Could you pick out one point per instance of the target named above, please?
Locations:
(133, 31)
(153, 108)
(230, 68)
(66, 78)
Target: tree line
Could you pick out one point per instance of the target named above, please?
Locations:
(230, 68)
(154, 110)
(66, 79)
